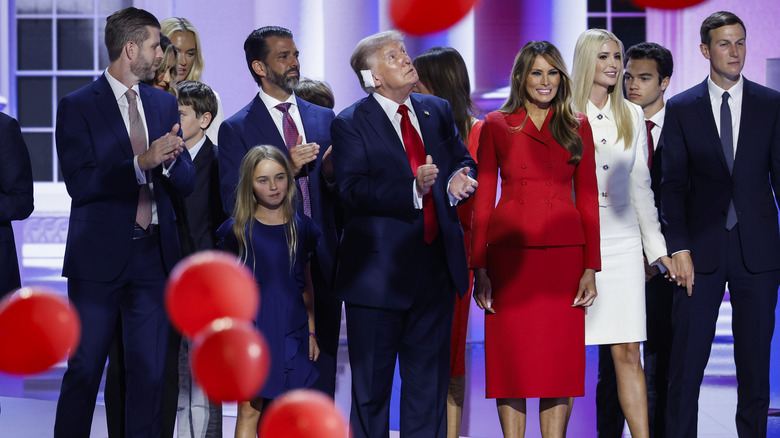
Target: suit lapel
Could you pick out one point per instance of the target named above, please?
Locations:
(265, 128)
(427, 126)
(307, 118)
(386, 134)
(107, 104)
(152, 123)
(704, 110)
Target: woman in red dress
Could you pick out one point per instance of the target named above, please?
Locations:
(535, 254)
(443, 73)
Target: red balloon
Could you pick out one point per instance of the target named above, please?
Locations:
(420, 17)
(303, 413)
(37, 328)
(666, 4)
(230, 360)
(209, 285)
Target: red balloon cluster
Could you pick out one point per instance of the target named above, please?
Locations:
(303, 413)
(209, 285)
(212, 299)
(230, 360)
(419, 17)
(37, 329)
(666, 4)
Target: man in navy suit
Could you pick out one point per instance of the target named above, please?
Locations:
(16, 198)
(272, 58)
(401, 169)
(721, 167)
(122, 162)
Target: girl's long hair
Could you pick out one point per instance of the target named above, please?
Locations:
(585, 56)
(246, 202)
(564, 124)
(443, 71)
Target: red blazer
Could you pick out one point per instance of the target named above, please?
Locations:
(537, 206)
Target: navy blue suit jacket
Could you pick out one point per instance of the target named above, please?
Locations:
(96, 158)
(697, 186)
(381, 222)
(16, 197)
(252, 126)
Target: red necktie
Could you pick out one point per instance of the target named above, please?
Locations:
(290, 138)
(415, 151)
(650, 144)
(143, 215)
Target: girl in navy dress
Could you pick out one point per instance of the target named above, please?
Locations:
(275, 242)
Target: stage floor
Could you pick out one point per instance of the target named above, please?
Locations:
(27, 405)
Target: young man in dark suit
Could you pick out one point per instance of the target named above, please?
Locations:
(277, 117)
(122, 162)
(197, 218)
(721, 168)
(401, 258)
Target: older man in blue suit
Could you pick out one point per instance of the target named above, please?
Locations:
(401, 169)
(277, 117)
(122, 162)
(720, 177)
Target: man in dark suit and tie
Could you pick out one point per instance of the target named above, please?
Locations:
(401, 169)
(721, 167)
(277, 117)
(16, 198)
(122, 162)
(649, 69)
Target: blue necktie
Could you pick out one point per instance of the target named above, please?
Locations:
(727, 141)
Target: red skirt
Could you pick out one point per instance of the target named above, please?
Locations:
(535, 342)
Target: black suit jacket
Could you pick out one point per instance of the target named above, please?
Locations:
(697, 187)
(16, 197)
(96, 157)
(200, 214)
(375, 182)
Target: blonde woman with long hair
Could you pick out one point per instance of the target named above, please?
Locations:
(190, 64)
(627, 214)
(275, 242)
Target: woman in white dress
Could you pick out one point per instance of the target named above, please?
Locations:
(627, 213)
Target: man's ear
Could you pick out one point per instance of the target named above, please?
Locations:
(664, 83)
(205, 119)
(705, 50)
(130, 50)
(259, 68)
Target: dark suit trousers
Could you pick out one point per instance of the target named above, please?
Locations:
(419, 337)
(657, 350)
(753, 301)
(327, 320)
(138, 297)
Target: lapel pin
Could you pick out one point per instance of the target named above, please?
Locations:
(427, 114)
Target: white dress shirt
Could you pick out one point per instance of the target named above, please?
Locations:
(735, 105)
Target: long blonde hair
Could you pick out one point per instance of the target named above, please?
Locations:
(246, 202)
(585, 56)
(179, 24)
(563, 124)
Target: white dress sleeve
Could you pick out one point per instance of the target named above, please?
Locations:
(642, 196)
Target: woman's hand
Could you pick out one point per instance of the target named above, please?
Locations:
(314, 349)
(586, 293)
(483, 290)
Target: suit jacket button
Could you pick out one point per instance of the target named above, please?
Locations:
(604, 194)
(605, 167)
(523, 166)
(524, 182)
(521, 202)
(547, 201)
(549, 183)
(603, 141)
(599, 116)
(550, 165)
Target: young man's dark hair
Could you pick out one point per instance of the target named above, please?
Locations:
(660, 54)
(256, 48)
(716, 20)
(199, 96)
(129, 24)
